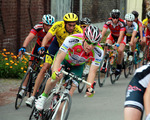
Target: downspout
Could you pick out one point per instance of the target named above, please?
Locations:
(18, 26)
(80, 16)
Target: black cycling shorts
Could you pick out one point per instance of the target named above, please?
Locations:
(134, 95)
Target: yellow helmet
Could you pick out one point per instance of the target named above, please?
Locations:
(70, 17)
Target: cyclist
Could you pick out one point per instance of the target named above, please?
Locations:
(146, 24)
(117, 29)
(85, 22)
(61, 29)
(74, 52)
(147, 102)
(134, 106)
(131, 32)
(140, 34)
(40, 30)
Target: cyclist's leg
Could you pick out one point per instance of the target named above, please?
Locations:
(109, 40)
(53, 48)
(77, 70)
(120, 55)
(34, 51)
(147, 100)
(133, 106)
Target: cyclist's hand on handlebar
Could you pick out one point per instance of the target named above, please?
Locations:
(41, 50)
(90, 92)
(21, 51)
(56, 76)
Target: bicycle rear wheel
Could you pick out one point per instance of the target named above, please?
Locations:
(18, 98)
(102, 75)
(127, 68)
(81, 84)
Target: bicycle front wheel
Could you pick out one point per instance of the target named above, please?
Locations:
(66, 107)
(103, 74)
(63, 108)
(19, 98)
(81, 84)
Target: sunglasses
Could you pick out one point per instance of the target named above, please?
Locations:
(89, 42)
(129, 21)
(84, 26)
(115, 17)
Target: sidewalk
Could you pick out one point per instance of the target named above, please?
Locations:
(8, 90)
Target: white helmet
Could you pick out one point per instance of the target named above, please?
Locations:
(129, 17)
(92, 34)
(148, 14)
(48, 19)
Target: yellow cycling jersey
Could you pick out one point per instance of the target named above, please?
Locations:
(146, 23)
(59, 30)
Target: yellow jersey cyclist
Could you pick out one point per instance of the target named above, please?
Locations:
(74, 52)
(61, 29)
(131, 32)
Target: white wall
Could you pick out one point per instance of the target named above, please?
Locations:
(135, 5)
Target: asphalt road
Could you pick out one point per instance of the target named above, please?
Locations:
(106, 104)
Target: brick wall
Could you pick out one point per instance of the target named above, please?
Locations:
(16, 20)
(18, 16)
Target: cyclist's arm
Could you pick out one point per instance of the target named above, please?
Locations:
(46, 38)
(104, 32)
(59, 58)
(28, 39)
(133, 36)
(141, 32)
(92, 74)
(121, 35)
(147, 99)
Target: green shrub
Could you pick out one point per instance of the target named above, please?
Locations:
(104, 38)
(10, 66)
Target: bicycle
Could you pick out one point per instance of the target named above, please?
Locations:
(146, 57)
(109, 61)
(59, 97)
(32, 71)
(128, 62)
(137, 58)
(81, 84)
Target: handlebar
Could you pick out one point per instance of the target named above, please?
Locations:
(39, 57)
(107, 44)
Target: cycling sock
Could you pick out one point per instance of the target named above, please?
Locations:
(44, 94)
(23, 87)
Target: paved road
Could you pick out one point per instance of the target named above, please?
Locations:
(107, 104)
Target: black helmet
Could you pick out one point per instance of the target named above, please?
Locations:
(115, 13)
(85, 21)
(135, 13)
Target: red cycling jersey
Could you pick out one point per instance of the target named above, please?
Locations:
(38, 29)
(115, 29)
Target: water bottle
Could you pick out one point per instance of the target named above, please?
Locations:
(130, 58)
(125, 56)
